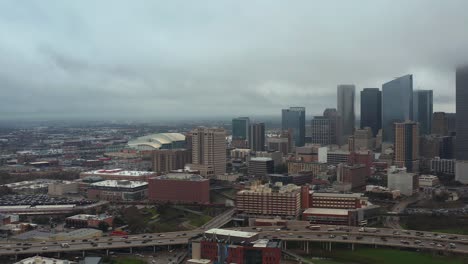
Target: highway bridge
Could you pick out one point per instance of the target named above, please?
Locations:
(326, 236)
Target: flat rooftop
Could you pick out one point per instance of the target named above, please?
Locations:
(121, 184)
(181, 177)
(231, 233)
(264, 159)
(119, 172)
(326, 211)
(340, 195)
(89, 217)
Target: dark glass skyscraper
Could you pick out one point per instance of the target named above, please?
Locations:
(462, 113)
(397, 104)
(345, 107)
(257, 137)
(371, 109)
(240, 128)
(294, 118)
(422, 110)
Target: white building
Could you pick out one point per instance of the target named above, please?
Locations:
(400, 179)
(461, 171)
(43, 260)
(428, 181)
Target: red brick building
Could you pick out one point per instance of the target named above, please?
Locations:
(179, 188)
(229, 246)
(355, 175)
(84, 221)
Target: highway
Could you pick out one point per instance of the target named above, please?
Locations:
(101, 243)
(327, 234)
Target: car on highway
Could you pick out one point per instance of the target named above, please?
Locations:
(44, 248)
(331, 236)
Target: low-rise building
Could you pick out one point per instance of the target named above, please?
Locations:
(315, 168)
(62, 188)
(179, 188)
(355, 175)
(43, 260)
(426, 181)
(230, 246)
(119, 174)
(84, 220)
(348, 217)
(261, 166)
(296, 179)
(113, 190)
(337, 200)
(400, 179)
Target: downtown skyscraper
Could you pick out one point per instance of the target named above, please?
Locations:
(422, 110)
(407, 145)
(294, 119)
(397, 105)
(209, 151)
(371, 109)
(345, 107)
(257, 137)
(461, 149)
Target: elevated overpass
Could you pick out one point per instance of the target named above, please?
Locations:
(326, 236)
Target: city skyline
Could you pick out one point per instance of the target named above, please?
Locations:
(228, 57)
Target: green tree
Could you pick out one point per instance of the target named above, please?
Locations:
(103, 226)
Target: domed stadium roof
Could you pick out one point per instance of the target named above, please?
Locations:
(155, 141)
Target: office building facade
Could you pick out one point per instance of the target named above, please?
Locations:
(209, 151)
(345, 106)
(294, 119)
(422, 110)
(166, 160)
(397, 104)
(371, 109)
(326, 129)
(407, 146)
(257, 137)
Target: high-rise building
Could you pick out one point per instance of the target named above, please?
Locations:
(422, 110)
(397, 104)
(451, 123)
(294, 118)
(257, 137)
(240, 128)
(345, 106)
(371, 109)
(461, 150)
(326, 129)
(407, 145)
(240, 132)
(439, 124)
(209, 151)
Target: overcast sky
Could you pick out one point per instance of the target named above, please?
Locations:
(182, 59)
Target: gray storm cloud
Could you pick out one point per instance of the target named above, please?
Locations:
(177, 59)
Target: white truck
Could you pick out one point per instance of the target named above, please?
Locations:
(368, 229)
(65, 245)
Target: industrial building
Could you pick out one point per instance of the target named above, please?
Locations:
(113, 190)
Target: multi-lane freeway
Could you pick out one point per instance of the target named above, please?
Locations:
(301, 233)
